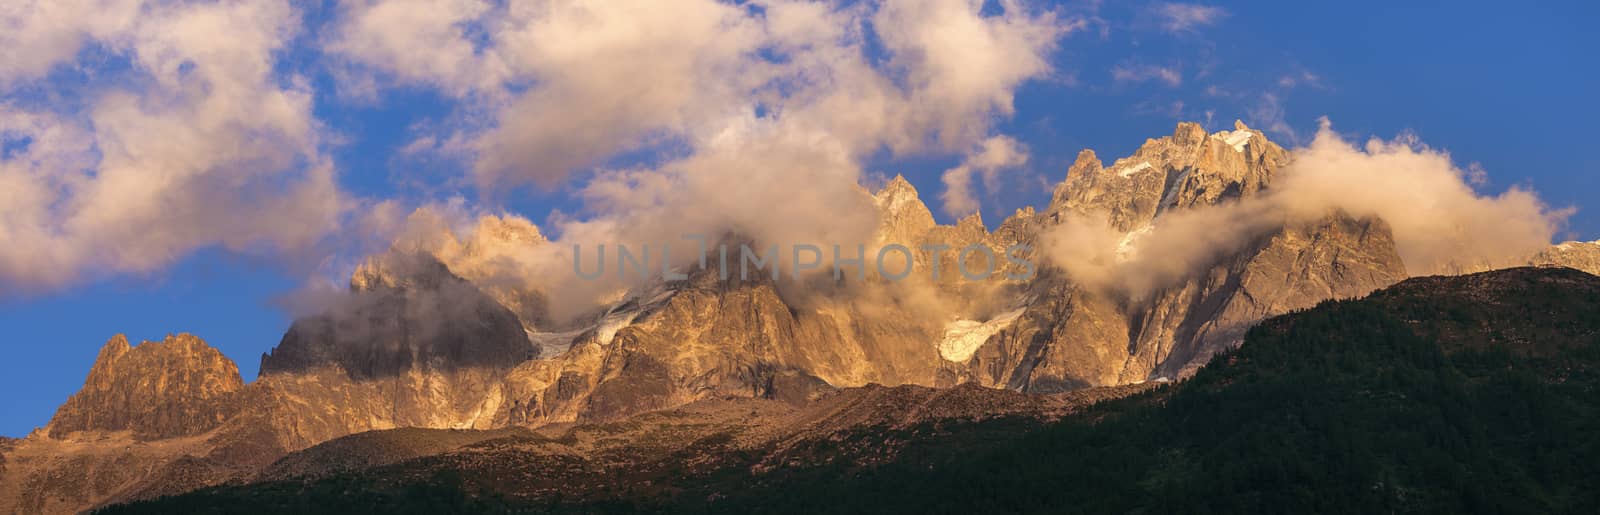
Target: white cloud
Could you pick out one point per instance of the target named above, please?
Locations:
(209, 146)
(1141, 73)
(615, 76)
(39, 34)
(1176, 17)
(417, 41)
(995, 154)
(1266, 111)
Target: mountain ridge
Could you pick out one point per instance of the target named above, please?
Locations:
(435, 334)
(1344, 407)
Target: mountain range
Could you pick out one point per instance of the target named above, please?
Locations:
(440, 364)
(1454, 394)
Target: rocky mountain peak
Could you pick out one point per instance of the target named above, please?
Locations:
(512, 229)
(405, 311)
(493, 238)
(1188, 133)
(898, 188)
(174, 387)
(970, 222)
(400, 270)
(1187, 169)
(903, 215)
(491, 257)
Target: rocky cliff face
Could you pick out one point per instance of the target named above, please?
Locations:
(158, 418)
(175, 387)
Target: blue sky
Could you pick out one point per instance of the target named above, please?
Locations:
(1507, 88)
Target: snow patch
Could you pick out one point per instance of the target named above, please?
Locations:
(1129, 171)
(962, 338)
(1235, 139)
(607, 329)
(1171, 198)
(626, 312)
(553, 345)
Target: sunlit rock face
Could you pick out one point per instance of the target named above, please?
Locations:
(1583, 256)
(1071, 336)
(175, 387)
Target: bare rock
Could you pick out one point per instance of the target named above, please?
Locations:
(175, 387)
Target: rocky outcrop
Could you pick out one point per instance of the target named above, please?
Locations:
(1583, 256)
(159, 418)
(175, 387)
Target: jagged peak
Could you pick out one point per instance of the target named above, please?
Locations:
(507, 229)
(1086, 164)
(899, 182)
(157, 388)
(973, 220)
(118, 345)
(896, 192)
(398, 269)
(904, 216)
(114, 348)
(1188, 133)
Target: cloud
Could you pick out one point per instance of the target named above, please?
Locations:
(1267, 112)
(417, 42)
(200, 142)
(571, 84)
(41, 34)
(1440, 223)
(1142, 73)
(995, 154)
(1176, 17)
(757, 116)
(1304, 77)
